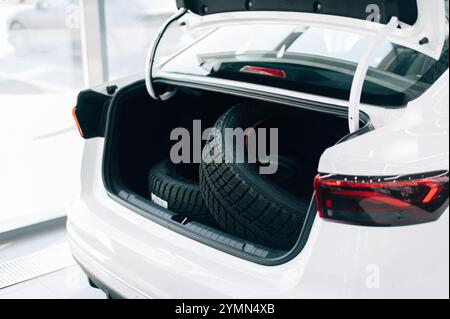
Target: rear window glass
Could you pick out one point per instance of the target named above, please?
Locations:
(312, 60)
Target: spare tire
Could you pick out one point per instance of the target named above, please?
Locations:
(244, 203)
(176, 187)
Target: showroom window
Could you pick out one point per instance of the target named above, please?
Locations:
(140, 18)
(46, 58)
(40, 74)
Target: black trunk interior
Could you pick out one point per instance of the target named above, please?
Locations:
(139, 128)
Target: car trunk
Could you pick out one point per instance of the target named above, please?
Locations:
(138, 136)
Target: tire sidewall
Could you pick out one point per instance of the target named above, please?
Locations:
(249, 172)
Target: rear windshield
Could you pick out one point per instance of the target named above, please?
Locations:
(310, 60)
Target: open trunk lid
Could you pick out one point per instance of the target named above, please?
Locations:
(422, 22)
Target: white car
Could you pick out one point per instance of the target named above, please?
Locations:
(370, 84)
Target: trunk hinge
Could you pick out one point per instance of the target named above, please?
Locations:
(361, 72)
(151, 57)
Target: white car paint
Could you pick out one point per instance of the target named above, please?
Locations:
(141, 259)
(416, 142)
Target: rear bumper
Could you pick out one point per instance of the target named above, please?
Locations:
(106, 281)
(357, 267)
(137, 258)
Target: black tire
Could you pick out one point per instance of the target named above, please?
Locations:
(178, 186)
(244, 203)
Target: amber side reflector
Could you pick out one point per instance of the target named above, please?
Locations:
(74, 114)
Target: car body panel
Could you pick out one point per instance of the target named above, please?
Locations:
(417, 142)
(145, 259)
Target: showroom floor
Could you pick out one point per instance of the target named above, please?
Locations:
(36, 263)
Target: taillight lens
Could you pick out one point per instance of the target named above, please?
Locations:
(382, 201)
(74, 114)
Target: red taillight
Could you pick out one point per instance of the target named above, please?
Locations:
(383, 201)
(264, 71)
(74, 114)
